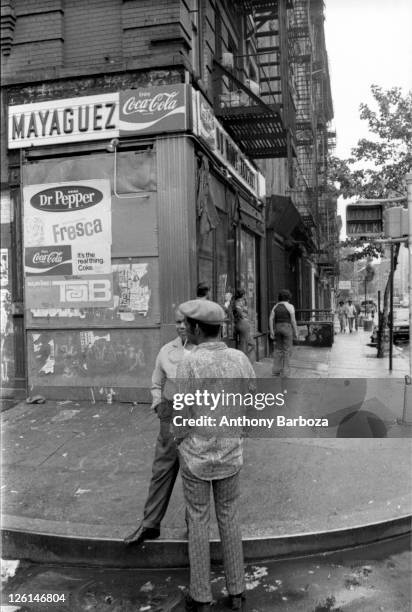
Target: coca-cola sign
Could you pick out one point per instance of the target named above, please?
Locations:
(153, 109)
(48, 260)
(66, 198)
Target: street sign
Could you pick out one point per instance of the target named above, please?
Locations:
(345, 284)
(364, 218)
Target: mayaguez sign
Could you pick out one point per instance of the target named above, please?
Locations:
(131, 112)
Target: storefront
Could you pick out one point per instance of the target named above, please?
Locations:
(285, 251)
(126, 205)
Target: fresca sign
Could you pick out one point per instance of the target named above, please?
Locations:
(132, 112)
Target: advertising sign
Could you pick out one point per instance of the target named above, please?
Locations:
(66, 120)
(48, 261)
(67, 228)
(6, 208)
(208, 128)
(153, 109)
(66, 260)
(145, 110)
(67, 244)
(64, 292)
(204, 120)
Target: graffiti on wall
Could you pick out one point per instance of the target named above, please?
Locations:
(91, 357)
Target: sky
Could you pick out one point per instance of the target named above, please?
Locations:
(368, 42)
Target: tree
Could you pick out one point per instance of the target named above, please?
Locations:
(377, 167)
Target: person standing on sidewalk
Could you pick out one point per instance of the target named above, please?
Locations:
(283, 330)
(358, 310)
(341, 312)
(166, 462)
(351, 314)
(209, 462)
(242, 323)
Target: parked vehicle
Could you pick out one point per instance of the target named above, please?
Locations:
(400, 325)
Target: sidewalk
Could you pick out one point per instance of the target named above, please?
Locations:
(350, 356)
(78, 473)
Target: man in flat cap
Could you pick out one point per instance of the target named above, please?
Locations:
(166, 461)
(209, 461)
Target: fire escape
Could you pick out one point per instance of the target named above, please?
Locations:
(325, 142)
(300, 46)
(314, 140)
(259, 115)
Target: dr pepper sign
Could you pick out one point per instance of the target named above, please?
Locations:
(70, 224)
(132, 112)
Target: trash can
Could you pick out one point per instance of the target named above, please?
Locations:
(367, 325)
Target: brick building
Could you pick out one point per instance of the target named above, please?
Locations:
(137, 137)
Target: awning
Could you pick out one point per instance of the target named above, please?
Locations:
(282, 215)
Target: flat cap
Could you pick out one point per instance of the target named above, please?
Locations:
(205, 311)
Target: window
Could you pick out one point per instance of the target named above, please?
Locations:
(248, 276)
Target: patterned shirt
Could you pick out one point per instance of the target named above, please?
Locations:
(207, 455)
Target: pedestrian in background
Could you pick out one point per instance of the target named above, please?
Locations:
(203, 291)
(166, 462)
(210, 462)
(350, 314)
(341, 312)
(283, 330)
(242, 323)
(358, 310)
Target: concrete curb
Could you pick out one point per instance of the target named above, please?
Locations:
(44, 547)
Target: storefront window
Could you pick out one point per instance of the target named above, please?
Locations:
(206, 249)
(217, 265)
(225, 271)
(248, 275)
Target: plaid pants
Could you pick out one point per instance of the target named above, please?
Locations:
(226, 495)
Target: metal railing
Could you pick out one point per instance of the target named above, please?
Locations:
(314, 315)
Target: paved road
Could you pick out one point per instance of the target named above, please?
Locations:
(376, 579)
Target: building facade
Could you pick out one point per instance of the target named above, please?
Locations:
(137, 137)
